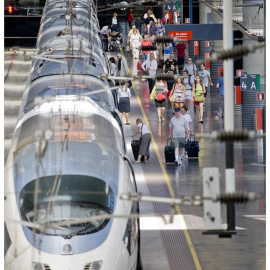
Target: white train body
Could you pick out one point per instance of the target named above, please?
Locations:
(67, 163)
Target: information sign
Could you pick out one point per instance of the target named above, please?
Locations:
(249, 82)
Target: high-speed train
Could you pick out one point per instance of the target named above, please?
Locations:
(67, 165)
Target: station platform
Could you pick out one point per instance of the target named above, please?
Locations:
(180, 245)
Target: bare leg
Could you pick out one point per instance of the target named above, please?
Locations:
(162, 113)
(159, 114)
(127, 116)
(201, 111)
(181, 105)
(197, 113)
(139, 159)
(121, 114)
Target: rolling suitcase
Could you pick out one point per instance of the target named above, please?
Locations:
(169, 152)
(135, 146)
(192, 148)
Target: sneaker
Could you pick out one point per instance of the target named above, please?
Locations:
(176, 162)
(180, 158)
(186, 154)
(216, 117)
(180, 162)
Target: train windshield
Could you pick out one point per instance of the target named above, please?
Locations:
(66, 205)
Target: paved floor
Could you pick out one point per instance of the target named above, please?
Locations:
(180, 245)
(245, 250)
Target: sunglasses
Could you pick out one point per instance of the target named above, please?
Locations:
(189, 60)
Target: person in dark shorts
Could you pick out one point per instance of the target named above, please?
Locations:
(159, 88)
(178, 132)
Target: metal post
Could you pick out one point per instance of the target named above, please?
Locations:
(191, 10)
(229, 109)
(182, 12)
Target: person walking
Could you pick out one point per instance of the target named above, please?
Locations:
(159, 90)
(106, 32)
(169, 62)
(139, 25)
(124, 100)
(147, 21)
(167, 51)
(130, 18)
(150, 66)
(198, 90)
(170, 84)
(146, 42)
(160, 28)
(145, 140)
(114, 22)
(135, 42)
(183, 111)
(152, 29)
(178, 133)
(220, 98)
(122, 66)
(206, 79)
(188, 84)
(113, 67)
(181, 54)
(178, 93)
(190, 68)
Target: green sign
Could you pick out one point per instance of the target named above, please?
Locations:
(249, 82)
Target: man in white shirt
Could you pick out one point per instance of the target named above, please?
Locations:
(106, 33)
(151, 66)
(189, 121)
(178, 132)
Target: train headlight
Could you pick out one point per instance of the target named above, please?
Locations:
(67, 248)
(37, 266)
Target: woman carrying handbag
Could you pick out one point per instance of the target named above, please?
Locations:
(178, 94)
(198, 91)
(158, 94)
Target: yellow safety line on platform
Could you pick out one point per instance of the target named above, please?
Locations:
(190, 244)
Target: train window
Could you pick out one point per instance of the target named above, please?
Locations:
(68, 91)
(70, 66)
(52, 92)
(76, 197)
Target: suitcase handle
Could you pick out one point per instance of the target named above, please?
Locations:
(168, 140)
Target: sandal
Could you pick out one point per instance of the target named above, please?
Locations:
(136, 162)
(159, 121)
(162, 119)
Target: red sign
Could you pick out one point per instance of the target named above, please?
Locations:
(239, 72)
(207, 63)
(238, 95)
(187, 20)
(219, 71)
(196, 47)
(207, 43)
(181, 34)
(260, 96)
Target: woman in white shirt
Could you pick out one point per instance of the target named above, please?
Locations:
(114, 22)
(145, 140)
(124, 101)
(135, 42)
